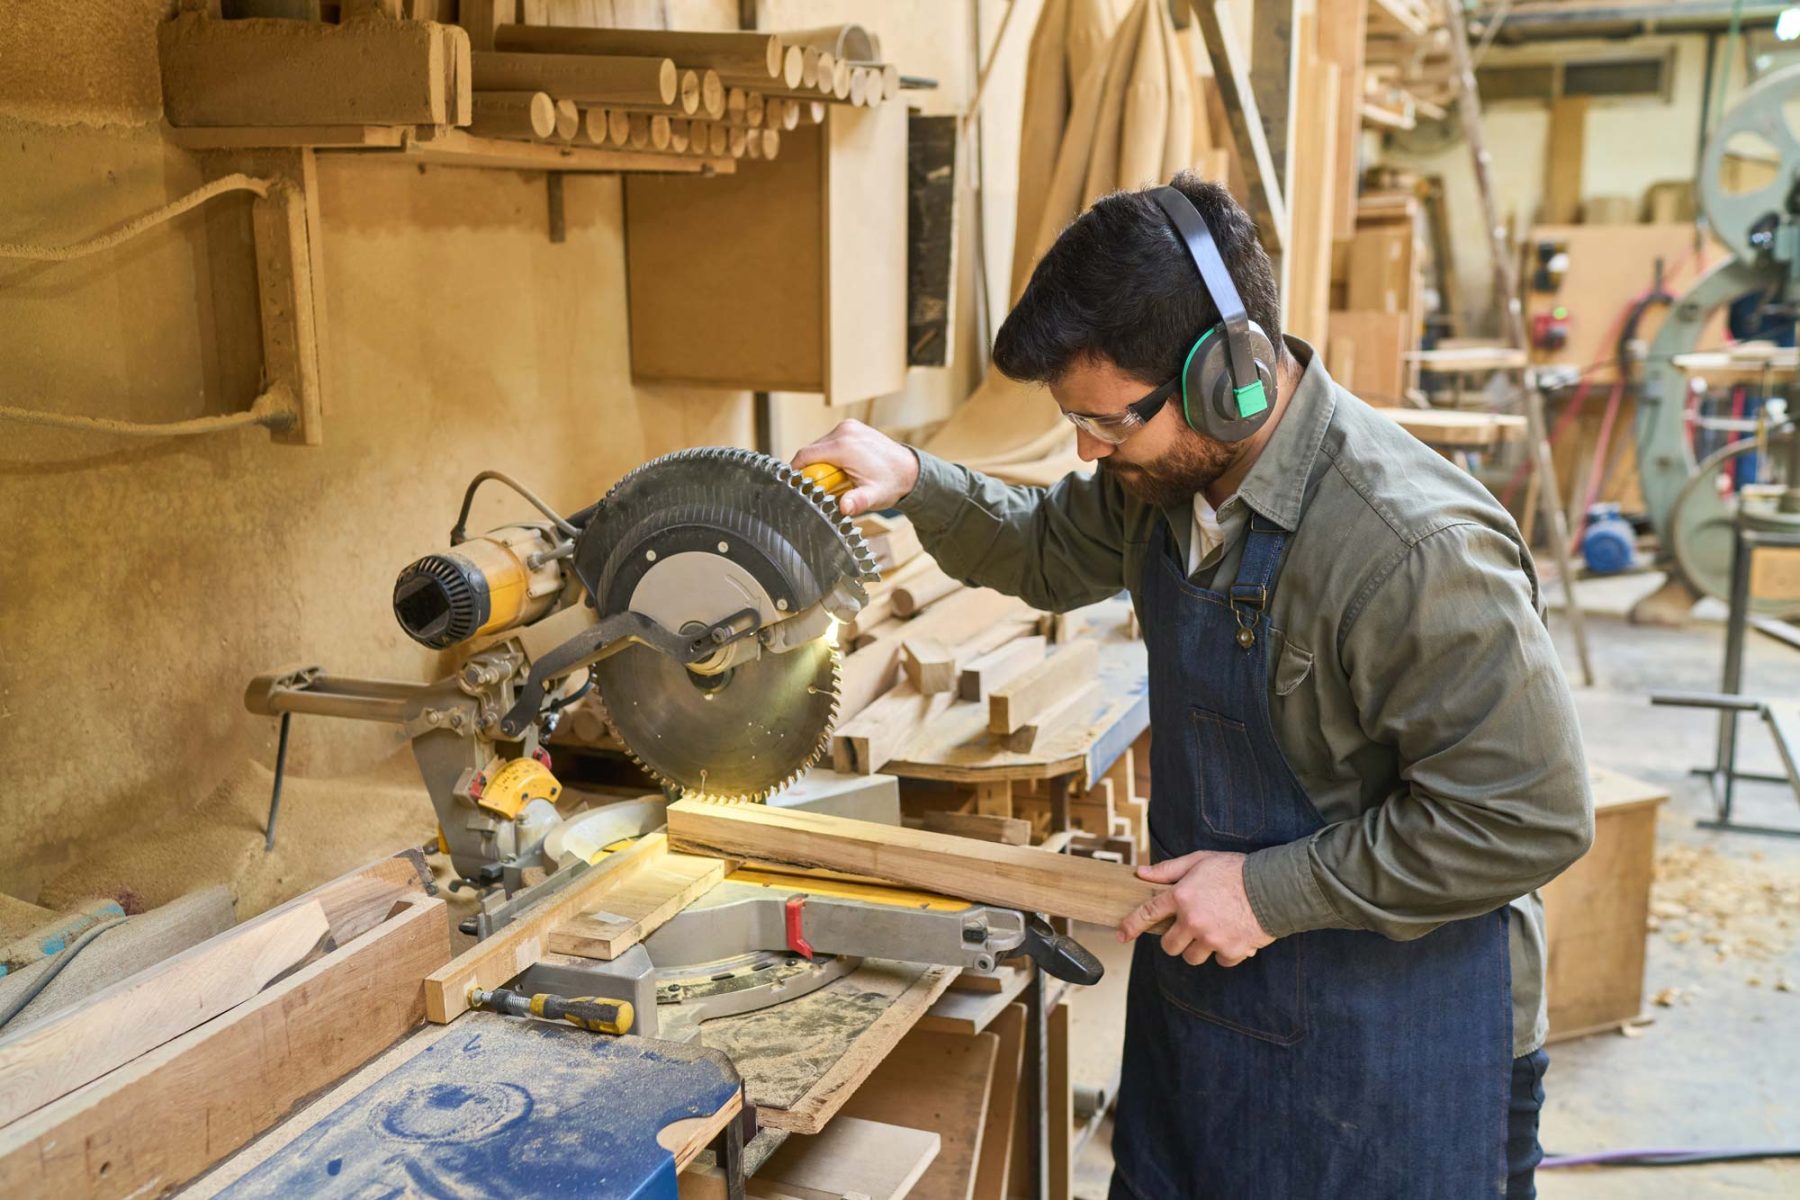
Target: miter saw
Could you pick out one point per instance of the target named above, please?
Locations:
(699, 599)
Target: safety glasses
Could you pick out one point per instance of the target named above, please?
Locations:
(1114, 428)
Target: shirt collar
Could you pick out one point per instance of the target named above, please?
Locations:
(1276, 484)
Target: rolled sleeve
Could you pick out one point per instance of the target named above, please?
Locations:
(1284, 891)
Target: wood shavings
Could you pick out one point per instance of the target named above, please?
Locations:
(1739, 909)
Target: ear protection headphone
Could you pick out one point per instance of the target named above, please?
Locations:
(1228, 379)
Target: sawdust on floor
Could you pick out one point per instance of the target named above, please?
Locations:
(1740, 908)
(326, 827)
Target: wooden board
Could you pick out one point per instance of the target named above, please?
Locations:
(1013, 876)
(972, 1012)
(1035, 691)
(994, 1161)
(880, 731)
(1365, 350)
(851, 1157)
(636, 906)
(166, 1116)
(1453, 427)
(999, 667)
(939, 1082)
(1342, 40)
(490, 963)
(1312, 178)
(1009, 831)
(801, 1060)
(1596, 914)
(1066, 712)
(54, 1056)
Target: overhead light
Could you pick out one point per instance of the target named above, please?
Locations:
(1787, 25)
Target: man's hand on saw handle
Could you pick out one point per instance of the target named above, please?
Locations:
(884, 471)
(1208, 907)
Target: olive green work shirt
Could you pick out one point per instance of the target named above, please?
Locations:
(1414, 688)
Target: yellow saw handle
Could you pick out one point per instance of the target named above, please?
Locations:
(829, 479)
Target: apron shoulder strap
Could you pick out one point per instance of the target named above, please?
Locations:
(1255, 581)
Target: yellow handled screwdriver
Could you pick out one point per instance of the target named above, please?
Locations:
(583, 1012)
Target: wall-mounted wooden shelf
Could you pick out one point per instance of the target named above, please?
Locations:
(447, 146)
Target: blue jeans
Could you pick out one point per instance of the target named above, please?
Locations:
(1522, 1150)
(1523, 1153)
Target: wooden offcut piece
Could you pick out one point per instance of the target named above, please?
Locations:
(1013, 876)
(1038, 689)
(922, 589)
(999, 667)
(929, 665)
(636, 906)
(168, 1115)
(1008, 831)
(1070, 707)
(496, 959)
(56, 1055)
(600, 79)
(265, 71)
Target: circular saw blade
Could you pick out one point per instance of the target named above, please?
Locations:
(743, 736)
(777, 537)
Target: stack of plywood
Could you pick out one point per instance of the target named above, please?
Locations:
(1381, 311)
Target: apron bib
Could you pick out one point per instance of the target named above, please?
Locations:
(1335, 1063)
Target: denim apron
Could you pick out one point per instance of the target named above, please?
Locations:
(1335, 1063)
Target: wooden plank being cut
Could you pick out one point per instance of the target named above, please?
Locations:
(490, 963)
(1013, 876)
(939, 1082)
(261, 71)
(56, 1055)
(1040, 688)
(168, 1115)
(637, 905)
(852, 1157)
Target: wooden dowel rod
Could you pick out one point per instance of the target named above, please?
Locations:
(736, 141)
(640, 131)
(678, 136)
(514, 115)
(809, 66)
(771, 142)
(716, 141)
(593, 123)
(659, 132)
(859, 87)
(735, 101)
(618, 127)
(756, 54)
(597, 78)
(756, 109)
(826, 79)
(568, 120)
(840, 81)
(689, 99)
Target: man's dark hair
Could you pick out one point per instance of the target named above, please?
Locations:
(1119, 284)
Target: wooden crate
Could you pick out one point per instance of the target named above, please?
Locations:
(788, 275)
(1597, 912)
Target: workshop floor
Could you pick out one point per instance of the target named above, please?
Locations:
(1718, 1064)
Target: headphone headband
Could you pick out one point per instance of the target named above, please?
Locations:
(1201, 247)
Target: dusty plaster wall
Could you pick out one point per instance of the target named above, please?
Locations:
(142, 584)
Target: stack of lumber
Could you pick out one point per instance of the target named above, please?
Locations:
(1378, 309)
(923, 641)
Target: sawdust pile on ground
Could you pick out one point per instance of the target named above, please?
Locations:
(326, 827)
(1737, 914)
